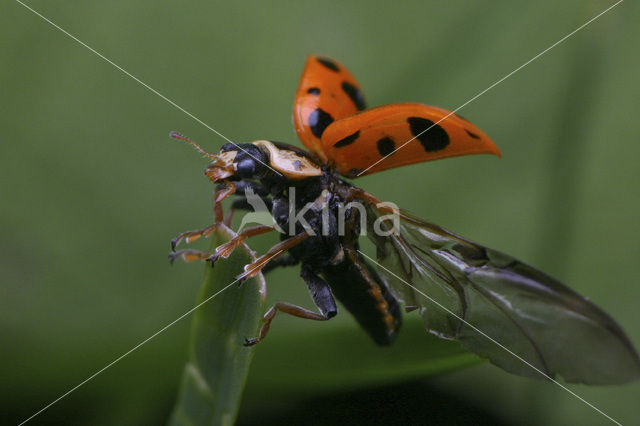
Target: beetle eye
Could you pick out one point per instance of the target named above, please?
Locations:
(229, 147)
(246, 168)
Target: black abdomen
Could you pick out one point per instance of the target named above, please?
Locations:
(365, 295)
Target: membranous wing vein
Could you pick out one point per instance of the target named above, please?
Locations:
(485, 292)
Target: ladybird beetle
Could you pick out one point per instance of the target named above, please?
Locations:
(483, 295)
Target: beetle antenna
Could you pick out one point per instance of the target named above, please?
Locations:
(178, 136)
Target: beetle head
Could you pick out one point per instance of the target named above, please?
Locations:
(234, 162)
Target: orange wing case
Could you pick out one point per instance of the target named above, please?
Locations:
(355, 144)
(327, 93)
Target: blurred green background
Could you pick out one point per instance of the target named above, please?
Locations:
(93, 190)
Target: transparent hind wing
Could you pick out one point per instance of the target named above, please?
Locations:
(501, 308)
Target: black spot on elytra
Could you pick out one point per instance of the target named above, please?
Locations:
(386, 146)
(347, 141)
(473, 135)
(318, 121)
(329, 64)
(313, 91)
(434, 139)
(355, 94)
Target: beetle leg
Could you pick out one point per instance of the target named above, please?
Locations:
(286, 260)
(227, 248)
(227, 220)
(252, 269)
(191, 236)
(287, 308)
(189, 255)
(320, 292)
(222, 192)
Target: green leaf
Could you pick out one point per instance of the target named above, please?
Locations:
(214, 376)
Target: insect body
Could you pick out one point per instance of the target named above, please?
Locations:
(464, 291)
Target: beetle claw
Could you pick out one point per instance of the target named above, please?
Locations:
(213, 258)
(250, 342)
